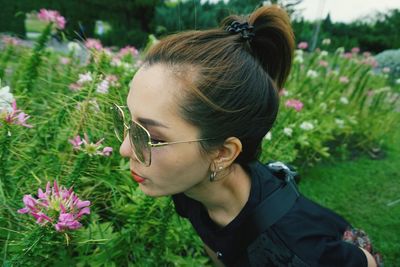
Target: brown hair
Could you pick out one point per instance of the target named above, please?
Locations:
(231, 83)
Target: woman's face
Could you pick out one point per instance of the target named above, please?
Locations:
(175, 168)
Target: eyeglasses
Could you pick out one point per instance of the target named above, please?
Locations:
(140, 139)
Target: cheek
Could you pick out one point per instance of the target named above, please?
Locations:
(183, 161)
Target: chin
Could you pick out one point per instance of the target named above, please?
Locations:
(152, 193)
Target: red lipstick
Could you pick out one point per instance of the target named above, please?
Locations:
(137, 178)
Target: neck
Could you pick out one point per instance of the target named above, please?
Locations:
(225, 197)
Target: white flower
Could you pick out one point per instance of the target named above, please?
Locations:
(340, 123)
(6, 98)
(298, 52)
(84, 78)
(102, 87)
(323, 105)
(299, 59)
(398, 81)
(75, 47)
(344, 100)
(326, 41)
(307, 126)
(340, 50)
(268, 136)
(312, 74)
(288, 131)
(323, 54)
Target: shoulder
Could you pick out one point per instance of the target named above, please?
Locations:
(308, 235)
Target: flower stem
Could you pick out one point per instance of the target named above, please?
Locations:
(30, 71)
(5, 140)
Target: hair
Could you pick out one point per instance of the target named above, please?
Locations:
(231, 84)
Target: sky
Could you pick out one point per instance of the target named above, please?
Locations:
(345, 10)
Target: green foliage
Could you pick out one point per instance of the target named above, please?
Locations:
(126, 228)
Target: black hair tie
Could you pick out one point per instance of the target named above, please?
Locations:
(245, 30)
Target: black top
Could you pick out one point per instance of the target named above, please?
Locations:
(308, 235)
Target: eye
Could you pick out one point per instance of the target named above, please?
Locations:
(156, 141)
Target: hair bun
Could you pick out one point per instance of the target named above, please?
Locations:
(273, 43)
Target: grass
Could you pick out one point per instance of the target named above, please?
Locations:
(364, 191)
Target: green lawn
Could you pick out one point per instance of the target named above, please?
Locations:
(364, 191)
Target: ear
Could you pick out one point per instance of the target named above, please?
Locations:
(227, 153)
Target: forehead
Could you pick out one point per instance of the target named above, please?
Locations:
(153, 88)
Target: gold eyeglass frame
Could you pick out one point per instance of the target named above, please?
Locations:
(127, 129)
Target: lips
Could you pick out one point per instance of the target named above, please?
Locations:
(137, 177)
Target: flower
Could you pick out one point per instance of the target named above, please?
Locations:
(6, 98)
(340, 123)
(128, 50)
(344, 79)
(65, 60)
(58, 206)
(344, 100)
(367, 54)
(268, 136)
(326, 41)
(302, 45)
(113, 80)
(76, 142)
(52, 16)
(14, 116)
(312, 74)
(348, 55)
(397, 81)
(91, 43)
(323, 54)
(9, 40)
(107, 151)
(288, 131)
(92, 149)
(386, 70)
(75, 47)
(306, 126)
(102, 87)
(340, 50)
(84, 78)
(323, 63)
(283, 92)
(355, 50)
(294, 103)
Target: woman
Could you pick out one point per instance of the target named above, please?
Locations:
(199, 108)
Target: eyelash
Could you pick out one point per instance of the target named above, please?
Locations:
(156, 141)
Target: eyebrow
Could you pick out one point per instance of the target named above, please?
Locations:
(150, 122)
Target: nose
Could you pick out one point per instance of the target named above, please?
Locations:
(125, 148)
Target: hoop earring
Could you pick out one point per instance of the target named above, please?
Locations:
(212, 176)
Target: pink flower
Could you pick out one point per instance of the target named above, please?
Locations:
(355, 50)
(294, 103)
(57, 204)
(367, 54)
(75, 87)
(65, 60)
(16, 116)
(52, 16)
(323, 63)
(302, 45)
(370, 61)
(92, 149)
(9, 40)
(348, 55)
(76, 142)
(283, 92)
(344, 79)
(102, 87)
(91, 43)
(128, 50)
(107, 151)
